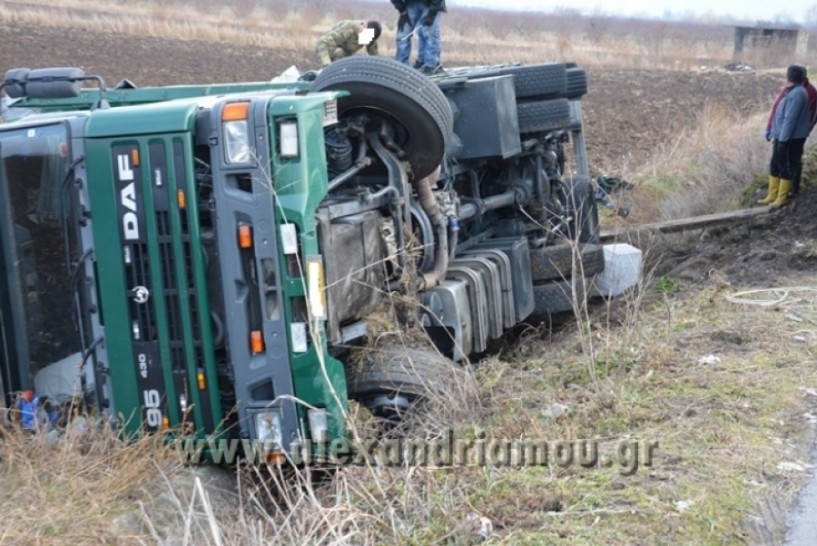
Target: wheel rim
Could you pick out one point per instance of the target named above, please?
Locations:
(390, 406)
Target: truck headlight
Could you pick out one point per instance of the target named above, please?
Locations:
(288, 139)
(237, 142)
(236, 132)
(315, 287)
(318, 425)
(268, 428)
(298, 337)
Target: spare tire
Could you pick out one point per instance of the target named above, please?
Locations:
(576, 83)
(558, 296)
(556, 262)
(412, 102)
(530, 82)
(538, 81)
(546, 115)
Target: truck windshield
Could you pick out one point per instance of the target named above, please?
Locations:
(37, 291)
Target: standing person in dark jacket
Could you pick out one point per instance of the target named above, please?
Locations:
(421, 17)
(790, 127)
(812, 106)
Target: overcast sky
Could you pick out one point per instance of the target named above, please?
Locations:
(750, 10)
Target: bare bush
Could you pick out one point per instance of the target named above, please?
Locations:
(706, 168)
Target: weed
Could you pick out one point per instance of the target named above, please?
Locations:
(665, 184)
(667, 285)
(754, 190)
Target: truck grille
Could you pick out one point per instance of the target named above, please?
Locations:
(164, 277)
(143, 315)
(175, 329)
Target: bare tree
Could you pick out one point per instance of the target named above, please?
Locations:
(810, 19)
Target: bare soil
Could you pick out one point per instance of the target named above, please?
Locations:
(773, 250)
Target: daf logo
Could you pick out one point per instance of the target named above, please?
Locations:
(127, 197)
(140, 294)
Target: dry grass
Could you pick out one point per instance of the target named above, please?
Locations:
(76, 488)
(705, 169)
(721, 435)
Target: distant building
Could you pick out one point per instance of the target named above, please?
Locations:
(780, 46)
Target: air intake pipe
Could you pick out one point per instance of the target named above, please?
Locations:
(429, 204)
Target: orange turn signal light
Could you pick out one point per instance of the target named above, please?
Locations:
(200, 380)
(235, 111)
(276, 458)
(256, 342)
(245, 236)
(181, 199)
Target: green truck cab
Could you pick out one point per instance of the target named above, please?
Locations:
(203, 259)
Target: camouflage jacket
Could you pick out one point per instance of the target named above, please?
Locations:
(341, 41)
(433, 5)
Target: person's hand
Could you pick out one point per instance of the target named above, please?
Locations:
(768, 135)
(428, 20)
(403, 20)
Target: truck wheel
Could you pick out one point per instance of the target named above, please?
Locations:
(416, 107)
(538, 80)
(581, 201)
(393, 381)
(556, 261)
(546, 115)
(558, 296)
(576, 83)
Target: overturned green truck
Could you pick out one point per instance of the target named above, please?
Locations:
(205, 259)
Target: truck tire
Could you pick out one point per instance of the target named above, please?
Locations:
(581, 201)
(576, 83)
(392, 381)
(530, 82)
(546, 115)
(558, 296)
(538, 81)
(555, 262)
(414, 103)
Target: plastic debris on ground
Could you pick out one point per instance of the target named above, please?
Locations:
(291, 74)
(622, 269)
(708, 360)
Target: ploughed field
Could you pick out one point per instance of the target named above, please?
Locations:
(627, 113)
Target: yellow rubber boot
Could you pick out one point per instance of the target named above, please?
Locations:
(782, 193)
(771, 196)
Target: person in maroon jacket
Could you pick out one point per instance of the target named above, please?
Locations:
(812, 105)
